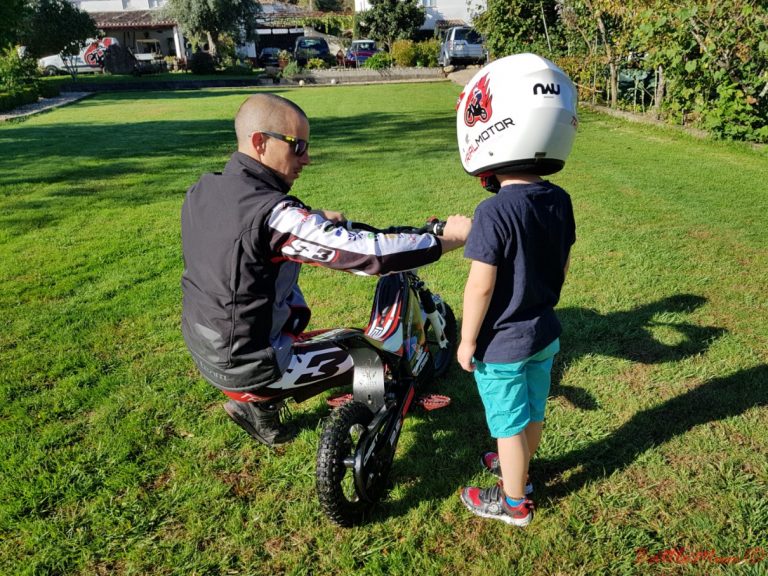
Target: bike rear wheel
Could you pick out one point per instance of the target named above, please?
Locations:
(335, 475)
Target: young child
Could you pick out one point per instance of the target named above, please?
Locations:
(516, 122)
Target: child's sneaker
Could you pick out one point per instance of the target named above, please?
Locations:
(491, 503)
(490, 461)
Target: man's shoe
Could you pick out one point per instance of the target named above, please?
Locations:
(490, 461)
(261, 421)
(491, 503)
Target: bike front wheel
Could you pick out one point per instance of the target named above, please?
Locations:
(442, 357)
(339, 495)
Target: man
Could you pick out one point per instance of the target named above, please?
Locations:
(244, 240)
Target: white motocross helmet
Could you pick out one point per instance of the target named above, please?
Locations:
(518, 114)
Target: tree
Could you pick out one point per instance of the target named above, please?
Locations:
(12, 14)
(213, 18)
(514, 26)
(605, 26)
(714, 54)
(390, 20)
(55, 26)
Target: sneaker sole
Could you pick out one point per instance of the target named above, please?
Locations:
(245, 425)
(506, 518)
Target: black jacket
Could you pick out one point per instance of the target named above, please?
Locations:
(244, 242)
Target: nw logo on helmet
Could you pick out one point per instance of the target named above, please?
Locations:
(546, 89)
(478, 106)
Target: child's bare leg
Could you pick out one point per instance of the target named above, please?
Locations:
(513, 459)
(533, 436)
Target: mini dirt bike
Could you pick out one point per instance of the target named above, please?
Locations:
(410, 339)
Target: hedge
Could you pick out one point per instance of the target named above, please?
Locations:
(11, 100)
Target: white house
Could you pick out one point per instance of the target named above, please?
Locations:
(442, 14)
(137, 24)
(141, 26)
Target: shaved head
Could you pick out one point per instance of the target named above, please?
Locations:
(265, 112)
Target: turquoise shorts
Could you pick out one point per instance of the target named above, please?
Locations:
(515, 394)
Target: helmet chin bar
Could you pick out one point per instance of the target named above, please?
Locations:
(490, 183)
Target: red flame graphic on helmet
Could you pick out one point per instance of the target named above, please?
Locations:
(478, 106)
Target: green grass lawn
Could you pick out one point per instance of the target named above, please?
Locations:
(117, 458)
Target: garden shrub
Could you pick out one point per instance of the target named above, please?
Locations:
(18, 79)
(291, 69)
(379, 61)
(404, 53)
(427, 52)
(49, 89)
(16, 72)
(11, 100)
(202, 63)
(316, 64)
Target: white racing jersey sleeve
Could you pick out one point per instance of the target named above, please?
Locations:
(298, 235)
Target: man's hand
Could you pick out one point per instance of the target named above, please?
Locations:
(457, 229)
(335, 217)
(464, 355)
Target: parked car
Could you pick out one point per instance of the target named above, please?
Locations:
(90, 59)
(462, 44)
(358, 52)
(268, 56)
(308, 47)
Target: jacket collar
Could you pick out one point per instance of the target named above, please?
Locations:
(241, 163)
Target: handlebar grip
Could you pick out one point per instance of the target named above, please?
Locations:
(436, 227)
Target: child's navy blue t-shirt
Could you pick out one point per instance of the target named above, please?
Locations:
(526, 231)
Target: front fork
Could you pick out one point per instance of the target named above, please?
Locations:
(376, 448)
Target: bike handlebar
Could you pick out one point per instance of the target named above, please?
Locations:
(434, 226)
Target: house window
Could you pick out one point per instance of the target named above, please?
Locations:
(429, 3)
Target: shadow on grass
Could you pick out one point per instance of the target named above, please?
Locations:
(627, 334)
(445, 453)
(64, 168)
(712, 401)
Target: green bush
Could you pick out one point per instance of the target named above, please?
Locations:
(316, 64)
(404, 53)
(17, 72)
(427, 52)
(291, 69)
(202, 63)
(7, 101)
(11, 100)
(49, 89)
(379, 61)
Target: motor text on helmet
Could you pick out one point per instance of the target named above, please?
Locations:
(492, 130)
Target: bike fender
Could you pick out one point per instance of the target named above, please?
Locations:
(368, 382)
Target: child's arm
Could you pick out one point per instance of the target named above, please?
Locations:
(477, 297)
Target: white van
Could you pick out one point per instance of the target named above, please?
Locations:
(90, 59)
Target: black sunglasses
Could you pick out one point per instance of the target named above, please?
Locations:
(300, 146)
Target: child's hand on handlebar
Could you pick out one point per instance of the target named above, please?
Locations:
(457, 229)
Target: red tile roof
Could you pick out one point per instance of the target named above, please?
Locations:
(131, 19)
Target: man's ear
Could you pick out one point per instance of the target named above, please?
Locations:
(257, 141)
